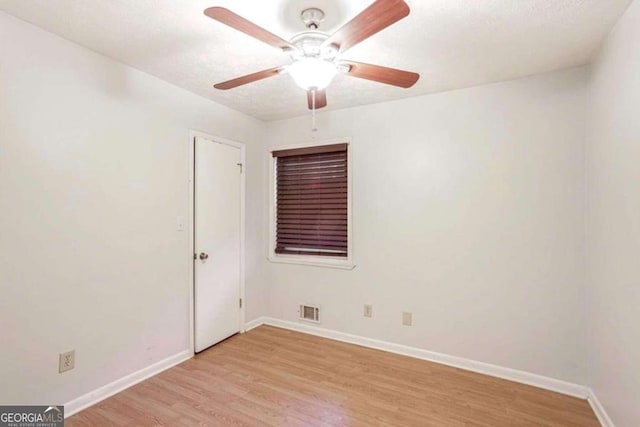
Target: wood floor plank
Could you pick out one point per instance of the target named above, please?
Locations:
(276, 377)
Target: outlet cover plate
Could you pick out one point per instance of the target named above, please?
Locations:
(407, 318)
(67, 361)
(368, 310)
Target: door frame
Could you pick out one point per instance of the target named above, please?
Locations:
(193, 134)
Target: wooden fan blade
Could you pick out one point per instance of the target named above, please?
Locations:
(321, 99)
(390, 76)
(241, 24)
(249, 78)
(373, 19)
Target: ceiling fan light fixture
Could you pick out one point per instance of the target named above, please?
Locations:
(312, 73)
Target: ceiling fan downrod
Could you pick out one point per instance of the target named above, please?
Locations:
(312, 18)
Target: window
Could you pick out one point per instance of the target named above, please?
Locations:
(311, 205)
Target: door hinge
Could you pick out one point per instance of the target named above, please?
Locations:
(240, 302)
(240, 164)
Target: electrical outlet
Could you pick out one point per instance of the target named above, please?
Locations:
(368, 310)
(67, 361)
(407, 318)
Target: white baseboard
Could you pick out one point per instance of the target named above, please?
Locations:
(254, 323)
(95, 396)
(523, 377)
(571, 389)
(597, 407)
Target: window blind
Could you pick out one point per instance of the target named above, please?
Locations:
(311, 201)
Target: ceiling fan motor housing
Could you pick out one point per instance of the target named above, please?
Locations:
(310, 45)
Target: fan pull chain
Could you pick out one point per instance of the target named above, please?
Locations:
(314, 128)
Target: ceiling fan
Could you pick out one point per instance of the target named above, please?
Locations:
(316, 55)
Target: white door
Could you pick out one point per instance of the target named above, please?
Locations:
(217, 242)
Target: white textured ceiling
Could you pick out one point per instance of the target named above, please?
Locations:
(452, 43)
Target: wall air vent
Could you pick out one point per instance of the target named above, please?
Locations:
(310, 313)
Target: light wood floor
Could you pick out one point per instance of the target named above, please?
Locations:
(271, 376)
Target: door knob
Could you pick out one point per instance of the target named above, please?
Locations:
(203, 256)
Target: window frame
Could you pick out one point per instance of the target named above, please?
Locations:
(313, 260)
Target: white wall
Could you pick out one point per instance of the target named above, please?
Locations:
(93, 175)
(468, 212)
(613, 222)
